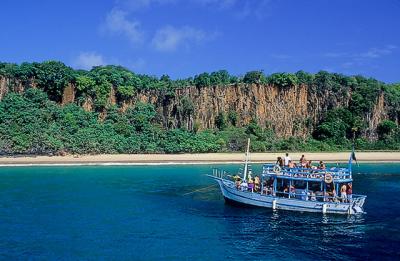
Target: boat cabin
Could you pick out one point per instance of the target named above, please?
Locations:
(304, 183)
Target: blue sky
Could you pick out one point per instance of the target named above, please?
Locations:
(186, 37)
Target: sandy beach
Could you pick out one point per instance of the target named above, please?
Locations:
(207, 158)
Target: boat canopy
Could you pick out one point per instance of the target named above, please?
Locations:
(337, 175)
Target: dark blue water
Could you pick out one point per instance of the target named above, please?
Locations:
(141, 213)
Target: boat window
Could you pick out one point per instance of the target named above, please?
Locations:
(299, 184)
(314, 186)
(282, 186)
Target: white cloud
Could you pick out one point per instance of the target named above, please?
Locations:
(165, 38)
(86, 60)
(135, 5)
(169, 38)
(335, 54)
(258, 9)
(378, 52)
(219, 3)
(361, 59)
(371, 53)
(117, 22)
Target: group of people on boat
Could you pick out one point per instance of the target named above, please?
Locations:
(252, 184)
(345, 194)
(287, 162)
(297, 189)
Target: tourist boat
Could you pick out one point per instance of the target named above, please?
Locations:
(298, 189)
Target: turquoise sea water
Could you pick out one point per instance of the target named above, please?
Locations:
(141, 213)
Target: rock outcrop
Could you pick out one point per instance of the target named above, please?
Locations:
(289, 111)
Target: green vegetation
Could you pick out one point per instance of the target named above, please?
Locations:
(34, 122)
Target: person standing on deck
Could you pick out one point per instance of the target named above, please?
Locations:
(321, 165)
(349, 192)
(287, 159)
(279, 162)
(303, 161)
(343, 193)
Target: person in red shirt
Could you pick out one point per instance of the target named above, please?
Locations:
(349, 192)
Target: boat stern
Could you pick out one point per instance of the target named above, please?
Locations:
(357, 204)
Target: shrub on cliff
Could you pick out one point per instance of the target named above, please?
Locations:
(202, 80)
(257, 77)
(336, 127)
(386, 129)
(283, 79)
(52, 77)
(220, 121)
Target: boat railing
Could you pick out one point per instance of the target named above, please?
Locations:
(219, 173)
(336, 173)
(314, 197)
(358, 198)
(310, 197)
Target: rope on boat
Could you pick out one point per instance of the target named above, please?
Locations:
(198, 190)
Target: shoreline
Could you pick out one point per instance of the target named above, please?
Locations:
(181, 159)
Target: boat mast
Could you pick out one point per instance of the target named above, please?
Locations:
(246, 160)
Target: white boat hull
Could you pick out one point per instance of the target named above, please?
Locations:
(231, 193)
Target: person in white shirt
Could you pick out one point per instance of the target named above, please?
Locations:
(287, 159)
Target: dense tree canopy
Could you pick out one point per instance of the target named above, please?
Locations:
(34, 121)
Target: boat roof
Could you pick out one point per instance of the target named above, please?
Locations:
(339, 175)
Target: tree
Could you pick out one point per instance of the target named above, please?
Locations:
(220, 121)
(254, 77)
(283, 79)
(52, 77)
(233, 117)
(386, 128)
(220, 77)
(141, 116)
(336, 127)
(85, 83)
(202, 80)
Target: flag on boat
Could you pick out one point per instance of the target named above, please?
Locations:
(353, 155)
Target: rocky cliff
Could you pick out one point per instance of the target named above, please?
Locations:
(289, 111)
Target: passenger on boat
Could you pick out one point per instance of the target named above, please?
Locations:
(334, 196)
(244, 185)
(279, 162)
(291, 164)
(249, 177)
(250, 184)
(321, 165)
(236, 177)
(319, 195)
(257, 184)
(326, 196)
(285, 192)
(312, 196)
(343, 193)
(349, 192)
(238, 183)
(265, 188)
(287, 159)
(308, 164)
(303, 161)
(292, 190)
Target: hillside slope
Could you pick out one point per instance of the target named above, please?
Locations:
(324, 106)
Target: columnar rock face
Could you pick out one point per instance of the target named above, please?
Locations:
(3, 87)
(289, 111)
(68, 94)
(378, 114)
